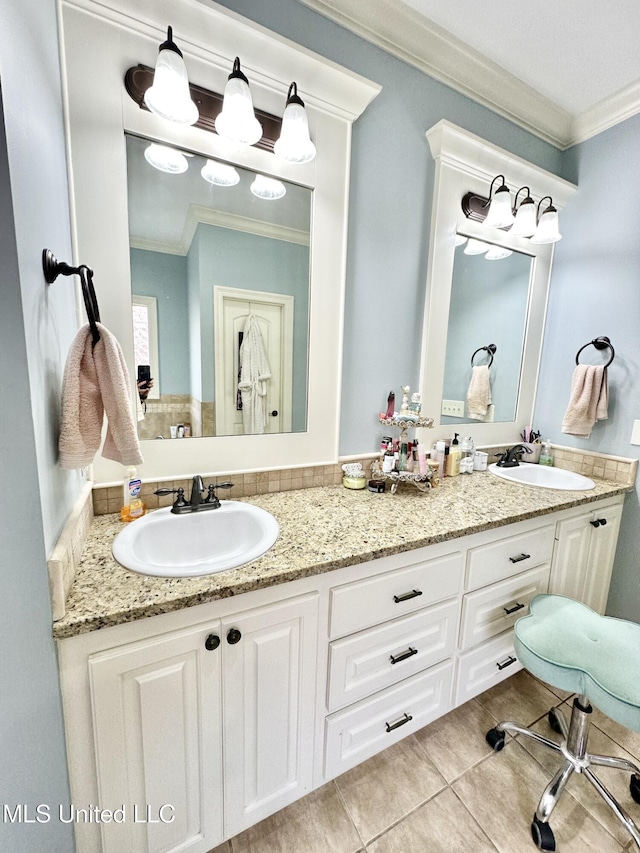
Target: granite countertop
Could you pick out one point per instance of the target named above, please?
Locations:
(321, 529)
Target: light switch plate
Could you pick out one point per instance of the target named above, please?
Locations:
(453, 408)
(488, 418)
(635, 433)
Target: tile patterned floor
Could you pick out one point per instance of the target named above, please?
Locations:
(442, 790)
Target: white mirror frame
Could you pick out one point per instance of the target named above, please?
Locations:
(99, 43)
(467, 163)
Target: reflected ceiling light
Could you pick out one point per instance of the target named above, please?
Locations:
(461, 239)
(237, 121)
(548, 229)
(500, 214)
(169, 95)
(525, 223)
(220, 174)
(267, 188)
(497, 253)
(166, 159)
(476, 247)
(294, 144)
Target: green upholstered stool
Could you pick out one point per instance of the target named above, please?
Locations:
(569, 646)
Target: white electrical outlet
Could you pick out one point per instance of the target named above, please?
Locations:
(453, 408)
(635, 433)
(488, 418)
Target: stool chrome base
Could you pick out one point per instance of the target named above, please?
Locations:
(576, 759)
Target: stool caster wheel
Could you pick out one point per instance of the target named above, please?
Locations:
(542, 835)
(634, 787)
(553, 721)
(495, 738)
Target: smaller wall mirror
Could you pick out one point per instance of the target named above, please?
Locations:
(488, 308)
(213, 267)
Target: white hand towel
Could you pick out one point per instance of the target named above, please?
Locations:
(96, 381)
(479, 393)
(589, 400)
(254, 375)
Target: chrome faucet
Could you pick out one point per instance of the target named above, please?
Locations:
(510, 458)
(195, 502)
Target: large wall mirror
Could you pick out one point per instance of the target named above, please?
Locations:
(296, 261)
(211, 264)
(488, 313)
(495, 297)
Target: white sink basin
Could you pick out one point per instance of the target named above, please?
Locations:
(166, 545)
(543, 476)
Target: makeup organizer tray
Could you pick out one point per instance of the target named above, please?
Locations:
(420, 481)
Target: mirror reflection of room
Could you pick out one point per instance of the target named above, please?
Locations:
(489, 305)
(220, 295)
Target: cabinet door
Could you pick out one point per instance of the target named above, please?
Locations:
(156, 714)
(570, 556)
(269, 705)
(602, 552)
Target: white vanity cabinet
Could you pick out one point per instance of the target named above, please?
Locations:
(202, 732)
(584, 553)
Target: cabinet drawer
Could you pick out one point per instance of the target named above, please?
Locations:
(368, 727)
(505, 557)
(486, 665)
(490, 611)
(373, 659)
(362, 604)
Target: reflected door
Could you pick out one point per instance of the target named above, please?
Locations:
(274, 313)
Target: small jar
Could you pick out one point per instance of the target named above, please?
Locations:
(354, 482)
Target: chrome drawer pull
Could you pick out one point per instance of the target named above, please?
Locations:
(519, 558)
(509, 610)
(505, 663)
(405, 719)
(407, 595)
(403, 655)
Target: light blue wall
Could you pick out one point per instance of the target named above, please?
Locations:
(37, 324)
(595, 290)
(165, 277)
(392, 174)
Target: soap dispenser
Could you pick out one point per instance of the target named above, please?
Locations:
(453, 462)
(546, 456)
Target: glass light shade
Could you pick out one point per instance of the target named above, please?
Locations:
(460, 239)
(547, 230)
(500, 214)
(237, 121)
(166, 159)
(525, 223)
(220, 174)
(169, 95)
(267, 188)
(294, 144)
(476, 247)
(497, 253)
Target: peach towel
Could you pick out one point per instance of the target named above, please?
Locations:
(95, 383)
(589, 400)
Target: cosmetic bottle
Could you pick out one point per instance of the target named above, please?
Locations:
(546, 457)
(467, 451)
(453, 462)
(440, 456)
(402, 459)
(132, 505)
(422, 459)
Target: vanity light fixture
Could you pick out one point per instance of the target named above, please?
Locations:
(169, 95)
(294, 144)
(237, 121)
(500, 214)
(525, 222)
(461, 239)
(268, 188)
(547, 230)
(220, 174)
(497, 253)
(166, 159)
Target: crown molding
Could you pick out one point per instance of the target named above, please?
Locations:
(405, 33)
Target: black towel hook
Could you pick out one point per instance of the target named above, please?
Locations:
(490, 348)
(52, 268)
(601, 342)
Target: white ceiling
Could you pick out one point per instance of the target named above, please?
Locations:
(563, 69)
